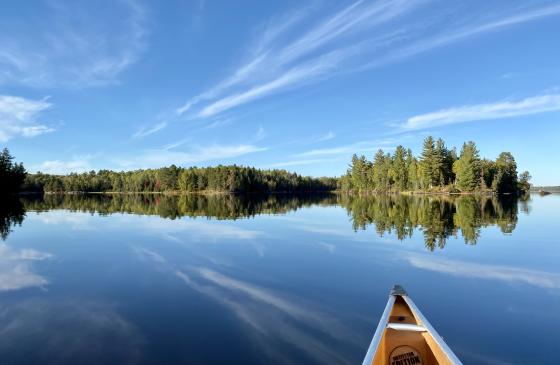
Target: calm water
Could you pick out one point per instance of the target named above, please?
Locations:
(272, 280)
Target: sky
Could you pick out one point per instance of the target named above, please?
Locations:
(276, 84)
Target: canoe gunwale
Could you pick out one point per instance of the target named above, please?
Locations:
(383, 323)
(437, 338)
(379, 331)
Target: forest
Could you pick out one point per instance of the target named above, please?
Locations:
(437, 169)
(230, 179)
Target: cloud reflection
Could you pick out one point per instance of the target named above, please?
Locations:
(69, 332)
(16, 268)
(277, 319)
(509, 274)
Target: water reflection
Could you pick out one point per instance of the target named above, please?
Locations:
(67, 331)
(16, 265)
(12, 213)
(543, 279)
(300, 288)
(438, 217)
(220, 206)
(273, 317)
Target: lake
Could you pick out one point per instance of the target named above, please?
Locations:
(131, 279)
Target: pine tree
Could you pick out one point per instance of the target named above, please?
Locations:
(360, 172)
(12, 174)
(399, 171)
(427, 164)
(379, 177)
(412, 171)
(467, 168)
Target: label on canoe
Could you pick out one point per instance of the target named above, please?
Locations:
(405, 355)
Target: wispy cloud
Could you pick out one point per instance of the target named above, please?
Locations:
(146, 131)
(296, 163)
(273, 68)
(477, 112)
(76, 164)
(197, 154)
(295, 76)
(219, 123)
(357, 37)
(261, 134)
(18, 117)
(71, 45)
(345, 150)
(176, 144)
(461, 33)
(326, 137)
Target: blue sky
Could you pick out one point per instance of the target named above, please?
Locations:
(287, 84)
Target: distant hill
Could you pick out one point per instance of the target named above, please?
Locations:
(550, 189)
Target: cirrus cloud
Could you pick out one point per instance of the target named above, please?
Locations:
(18, 117)
(476, 112)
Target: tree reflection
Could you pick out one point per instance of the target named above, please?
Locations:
(438, 217)
(11, 214)
(219, 206)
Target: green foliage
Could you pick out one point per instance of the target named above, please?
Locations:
(505, 180)
(398, 169)
(467, 168)
(437, 169)
(234, 179)
(12, 174)
(428, 163)
(523, 182)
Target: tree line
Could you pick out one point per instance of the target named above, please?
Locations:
(437, 169)
(231, 179)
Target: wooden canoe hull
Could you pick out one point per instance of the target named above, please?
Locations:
(405, 337)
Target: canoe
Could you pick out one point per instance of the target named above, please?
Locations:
(405, 337)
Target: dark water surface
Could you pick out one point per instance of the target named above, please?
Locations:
(272, 280)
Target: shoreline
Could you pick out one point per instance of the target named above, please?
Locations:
(212, 192)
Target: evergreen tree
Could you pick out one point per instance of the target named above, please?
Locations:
(505, 180)
(360, 172)
(12, 175)
(444, 161)
(427, 163)
(438, 163)
(399, 171)
(467, 168)
(412, 171)
(380, 173)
